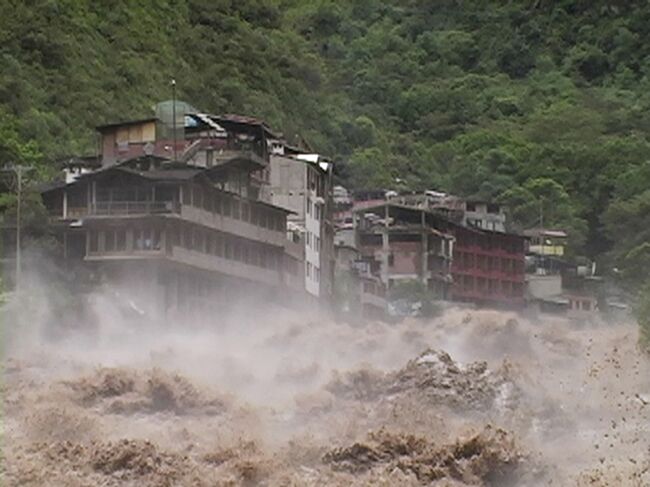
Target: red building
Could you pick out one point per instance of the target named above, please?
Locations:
(488, 267)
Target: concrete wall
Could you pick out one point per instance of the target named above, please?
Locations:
(542, 287)
(288, 182)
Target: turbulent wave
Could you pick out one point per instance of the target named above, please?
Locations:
(477, 398)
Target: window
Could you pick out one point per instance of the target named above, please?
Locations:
(237, 254)
(94, 241)
(226, 206)
(209, 243)
(109, 241)
(228, 248)
(185, 237)
(207, 201)
(308, 269)
(156, 239)
(218, 245)
(217, 203)
(235, 209)
(120, 243)
(244, 211)
(308, 206)
(196, 239)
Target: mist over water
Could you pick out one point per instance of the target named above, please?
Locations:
(267, 396)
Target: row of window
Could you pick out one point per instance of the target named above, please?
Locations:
(580, 304)
(232, 207)
(315, 182)
(212, 242)
(313, 241)
(312, 272)
(314, 209)
(190, 237)
(493, 287)
(468, 260)
(490, 242)
(124, 240)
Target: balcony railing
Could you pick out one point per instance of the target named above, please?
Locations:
(133, 207)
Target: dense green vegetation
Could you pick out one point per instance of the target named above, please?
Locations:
(540, 104)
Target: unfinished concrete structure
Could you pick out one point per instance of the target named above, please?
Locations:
(408, 245)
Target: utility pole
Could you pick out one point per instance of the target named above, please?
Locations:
(174, 117)
(19, 170)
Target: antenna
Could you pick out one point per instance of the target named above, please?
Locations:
(174, 117)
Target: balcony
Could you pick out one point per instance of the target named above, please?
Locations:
(234, 226)
(225, 266)
(112, 208)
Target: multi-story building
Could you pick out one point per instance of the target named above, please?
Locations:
(408, 245)
(488, 266)
(301, 183)
(485, 215)
(545, 242)
(359, 290)
(458, 262)
(471, 213)
(172, 234)
(208, 192)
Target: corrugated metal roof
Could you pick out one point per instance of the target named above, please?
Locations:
(101, 128)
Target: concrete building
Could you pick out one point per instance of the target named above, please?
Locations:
(545, 242)
(176, 236)
(484, 215)
(457, 262)
(302, 184)
(179, 209)
(407, 244)
(488, 267)
(189, 193)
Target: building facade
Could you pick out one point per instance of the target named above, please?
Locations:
(488, 267)
(174, 234)
(407, 244)
(302, 184)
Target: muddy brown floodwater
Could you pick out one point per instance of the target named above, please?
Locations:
(474, 398)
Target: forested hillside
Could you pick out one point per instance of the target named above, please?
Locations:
(539, 104)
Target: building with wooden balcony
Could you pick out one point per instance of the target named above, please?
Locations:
(177, 235)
